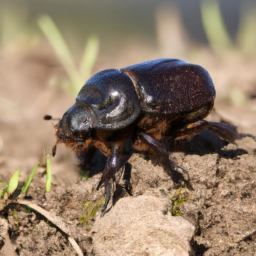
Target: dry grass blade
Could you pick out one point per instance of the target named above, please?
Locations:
(55, 220)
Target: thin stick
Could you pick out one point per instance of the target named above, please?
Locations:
(55, 220)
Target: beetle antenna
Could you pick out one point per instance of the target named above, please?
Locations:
(54, 148)
(186, 171)
(48, 117)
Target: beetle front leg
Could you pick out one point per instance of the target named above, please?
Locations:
(108, 193)
(114, 163)
(108, 175)
(163, 154)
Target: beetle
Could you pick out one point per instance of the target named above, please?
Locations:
(144, 108)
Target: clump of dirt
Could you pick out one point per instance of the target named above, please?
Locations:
(141, 228)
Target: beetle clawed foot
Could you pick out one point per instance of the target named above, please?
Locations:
(177, 177)
(110, 187)
(182, 168)
(114, 191)
(128, 187)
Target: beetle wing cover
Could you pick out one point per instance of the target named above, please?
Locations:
(171, 86)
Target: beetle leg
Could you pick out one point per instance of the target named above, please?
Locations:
(127, 178)
(226, 132)
(114, 163)
(163, 154)
(82, 155)
(108, 192)
(190, 130)
(108, 175)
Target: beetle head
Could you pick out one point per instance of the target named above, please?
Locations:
(75, 125)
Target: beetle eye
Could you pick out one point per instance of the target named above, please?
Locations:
(85, 121)
(109, 101)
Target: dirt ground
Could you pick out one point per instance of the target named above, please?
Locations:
(217, 212)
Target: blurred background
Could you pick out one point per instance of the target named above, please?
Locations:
(48, 49)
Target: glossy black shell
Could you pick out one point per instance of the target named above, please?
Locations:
(162, 87)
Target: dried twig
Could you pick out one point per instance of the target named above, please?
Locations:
(55, 220)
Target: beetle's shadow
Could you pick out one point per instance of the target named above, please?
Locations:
(93, 162)
(204, 143)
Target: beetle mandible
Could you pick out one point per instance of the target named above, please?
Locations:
(138, 109)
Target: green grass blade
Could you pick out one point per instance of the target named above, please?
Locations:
(14, 182)
(89, 56)
(214, 25)
(4, 190)
(48, 174)
(60, 47)
(30, 178)
(246, 36)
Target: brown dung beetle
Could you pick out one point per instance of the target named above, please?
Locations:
(140, 109)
